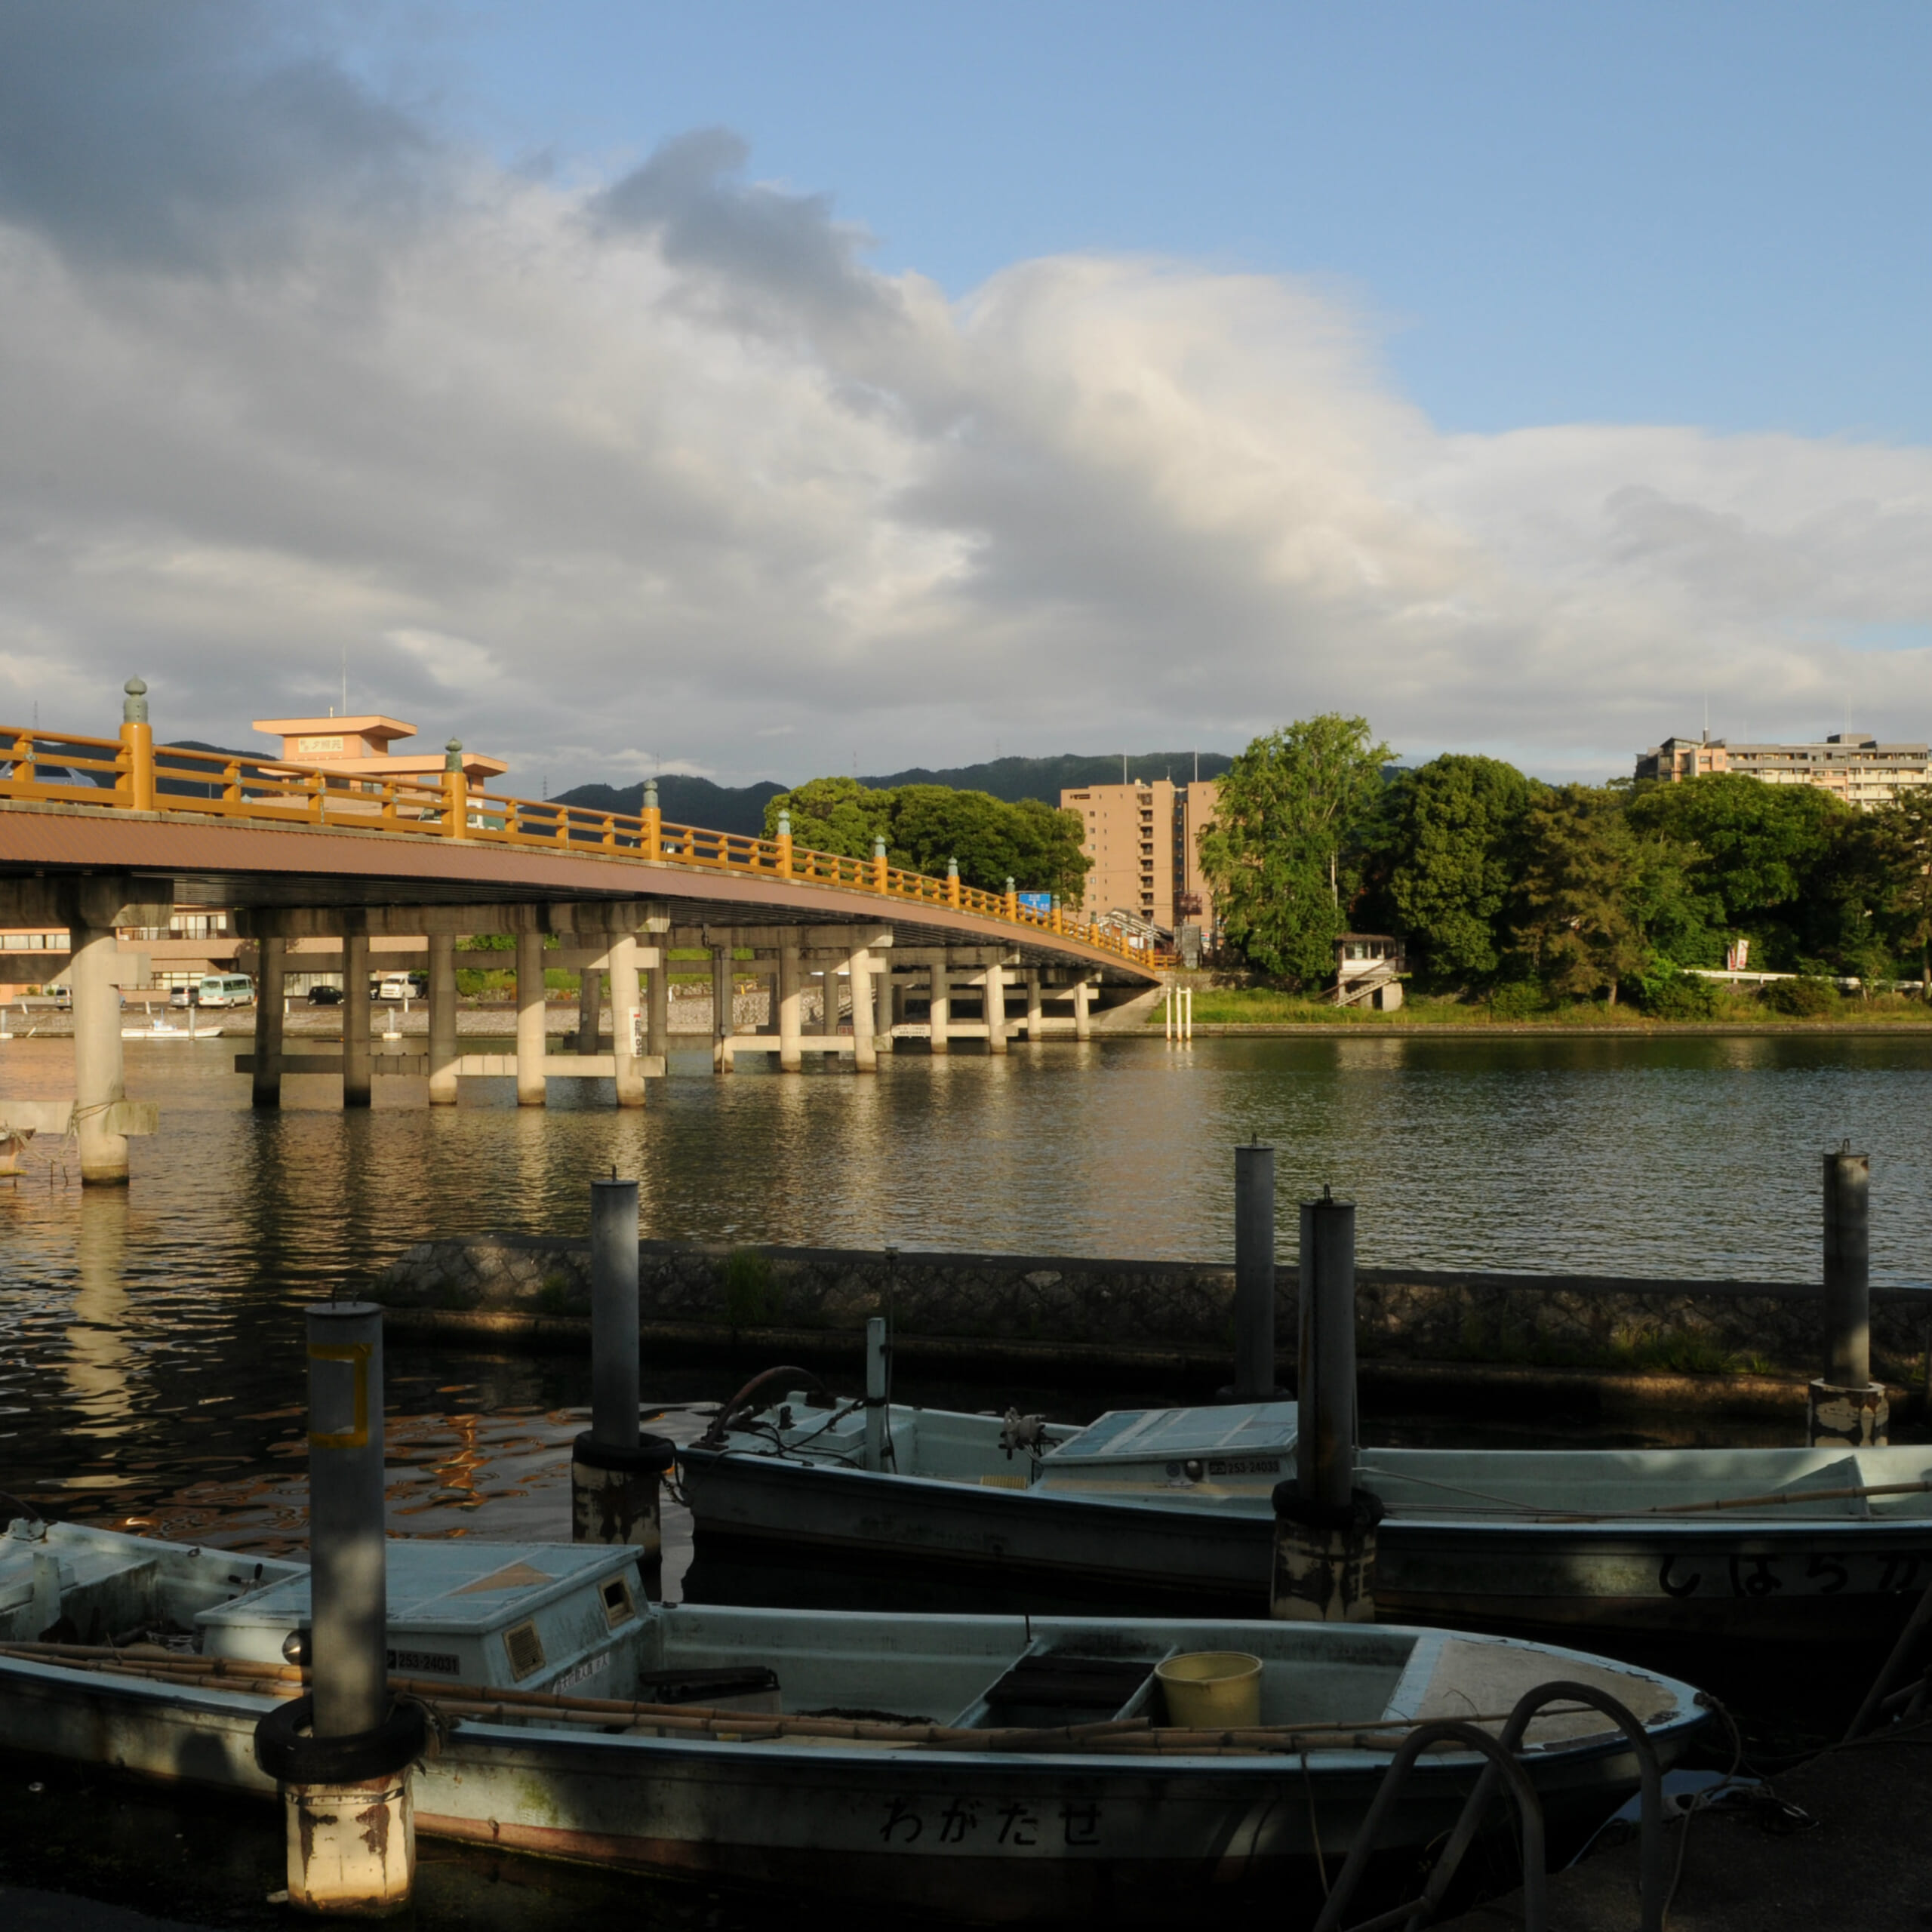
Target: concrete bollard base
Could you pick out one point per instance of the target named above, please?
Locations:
(615, 1497)
(351, 1848)
(1858, 1417)
(1323, 1569)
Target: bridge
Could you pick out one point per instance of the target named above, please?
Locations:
(102, 838)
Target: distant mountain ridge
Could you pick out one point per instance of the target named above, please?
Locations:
(741, 808)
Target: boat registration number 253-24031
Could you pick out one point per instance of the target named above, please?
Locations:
(1800, 1573)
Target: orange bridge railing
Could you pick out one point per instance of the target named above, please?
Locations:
(132, 772)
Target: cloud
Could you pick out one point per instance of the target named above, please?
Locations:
(569, 468)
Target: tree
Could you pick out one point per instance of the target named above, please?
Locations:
(1758, 858)
(1583, 870)
(1035, 844)
(1281, 853)
(1448, 840)
(1899, 837)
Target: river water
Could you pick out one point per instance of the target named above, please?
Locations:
(150, 1359)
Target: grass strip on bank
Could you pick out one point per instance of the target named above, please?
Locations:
(1263, 1006)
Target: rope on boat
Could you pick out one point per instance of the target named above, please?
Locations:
(708, 1724)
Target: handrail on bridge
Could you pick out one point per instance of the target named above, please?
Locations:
(138, 775)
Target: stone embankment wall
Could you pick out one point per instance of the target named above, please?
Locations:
(1405, 1314)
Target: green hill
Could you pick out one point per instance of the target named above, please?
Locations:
(741, 808)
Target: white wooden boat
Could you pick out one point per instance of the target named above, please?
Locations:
(162, 1028)
(1170, 1510)
(986, 1767)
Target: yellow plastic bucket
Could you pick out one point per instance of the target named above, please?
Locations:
(1212, 1689)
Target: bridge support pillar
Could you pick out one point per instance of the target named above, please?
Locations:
(865, 1049)
(657, 1008)
(723, 983)
(1034, 1008)
(270, 985)
(623, 1020)
(791, 1000)
(1082, 1025)
(531, 1090)
(442, 1019)
(942, 1008)
(98, 1080)
(993, 980)
(882, 996)
(356, 1020)
(827, 1013)
(590, 1011)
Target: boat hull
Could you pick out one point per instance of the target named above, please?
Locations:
(833, 1535)
(998, 1837)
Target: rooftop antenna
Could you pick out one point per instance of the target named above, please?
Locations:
(1707, 717)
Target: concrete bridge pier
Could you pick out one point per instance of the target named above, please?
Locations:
(723, 988)
(1083, 1025)
(629, 1076)
(657, 1007)
(865, 1046)
(941, 1002)
(98, 1081)
(992, 983)
(270, 988)
(828, 1012)
(531, 1089)
(442, 1019)
(589, 1017)
(355, 1068)
(790, 1003)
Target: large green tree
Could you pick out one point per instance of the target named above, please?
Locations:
(1033, 843)
(1282, 853)
(1447, 846)
(1898, 841)
(1583, 870)
(1760, 861)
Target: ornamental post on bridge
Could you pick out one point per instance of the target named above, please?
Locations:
(1057, 912)
(952, 882)
(135, 783)
(653, 832)
(784, 843)
(1012, 908)
(880, 867)
(456, 791)
(442, 1019)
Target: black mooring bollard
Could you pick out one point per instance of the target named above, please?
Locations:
(1325, 1526)
(1846, 1405)
(342, 1755)
(617, 1474)
(1254, 1273)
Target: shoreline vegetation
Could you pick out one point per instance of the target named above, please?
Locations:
(1235, 1009)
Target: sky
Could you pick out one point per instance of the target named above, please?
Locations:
(763, 390)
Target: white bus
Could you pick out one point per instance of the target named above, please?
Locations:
(216, 989)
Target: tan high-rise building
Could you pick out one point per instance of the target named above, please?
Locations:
(1143, 841)
(1860, 769)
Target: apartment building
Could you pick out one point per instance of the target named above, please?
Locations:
(1860, 769)
(1143, 839)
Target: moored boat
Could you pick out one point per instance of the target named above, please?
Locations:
(979, 1767)
(1169, 1510)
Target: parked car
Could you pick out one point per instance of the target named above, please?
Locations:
(394, 985)
(324, 995)
(215, 989)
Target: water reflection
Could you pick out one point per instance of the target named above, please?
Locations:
(95, 1368)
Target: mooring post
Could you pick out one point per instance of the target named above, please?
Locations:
(1254, 1273)
(617, 1473)
(1324, 1527)
(342, 1755)
(877, 1344)
(1846, 1404)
